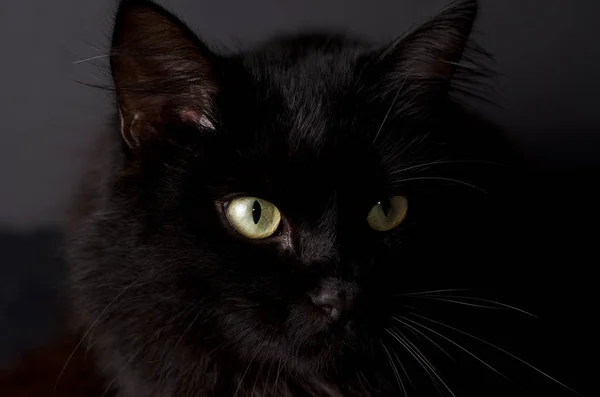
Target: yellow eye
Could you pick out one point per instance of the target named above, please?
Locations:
(387, 216)
(253, 217)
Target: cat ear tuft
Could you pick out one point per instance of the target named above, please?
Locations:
(431, 53)
(160, 70)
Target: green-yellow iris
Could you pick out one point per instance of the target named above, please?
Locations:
(252, 217)
(387, 216)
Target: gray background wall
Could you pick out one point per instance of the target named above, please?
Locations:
(547, 51)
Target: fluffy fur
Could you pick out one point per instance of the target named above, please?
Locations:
(176, 303)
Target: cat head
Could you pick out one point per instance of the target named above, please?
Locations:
(275, 202)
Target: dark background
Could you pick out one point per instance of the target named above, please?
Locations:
(548, 59)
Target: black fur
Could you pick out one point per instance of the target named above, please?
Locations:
(324, 126)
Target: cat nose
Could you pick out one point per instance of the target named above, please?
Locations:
(334, 298)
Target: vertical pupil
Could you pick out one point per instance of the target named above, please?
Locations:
(386, 207)
(256, 210)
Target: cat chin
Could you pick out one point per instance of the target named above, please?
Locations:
(299, 334)
(320, 350)
(325, 358)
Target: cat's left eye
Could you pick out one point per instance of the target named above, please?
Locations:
(387, 215)
(252, 217)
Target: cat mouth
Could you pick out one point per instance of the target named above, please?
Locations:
(329, 338)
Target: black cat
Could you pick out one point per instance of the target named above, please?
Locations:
(256, 221)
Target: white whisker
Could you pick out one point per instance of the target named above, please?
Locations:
(410, 327)
(452, 298)
(133, 356)
(237, 389)
(499, 349)
(438, 178)
(504, 305)
(461, 303)
(442, 162)
(412, 346)
(268, 375)
(457, 345)
(432, 292)
(279, 367)
(87, 332)
(423, 361)
(90, 59)
(498, 307)
(395, 369)
(403, 369)
(387, 114)
(164, 367)
(258, 374)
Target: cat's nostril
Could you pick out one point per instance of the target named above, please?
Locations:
(334, 297)
(331, 301)
(332, 311)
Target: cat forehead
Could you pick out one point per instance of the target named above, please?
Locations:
(306, 68)
(306, 101)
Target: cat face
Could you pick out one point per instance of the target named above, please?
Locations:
(274, 204)
(275, 198)
(302, 276)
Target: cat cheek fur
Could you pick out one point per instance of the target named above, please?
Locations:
(323, 126)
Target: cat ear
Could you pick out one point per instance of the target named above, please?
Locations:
(161, 70)
(431, 54)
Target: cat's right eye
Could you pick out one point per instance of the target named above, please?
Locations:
(385, 216)
(252, 217)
